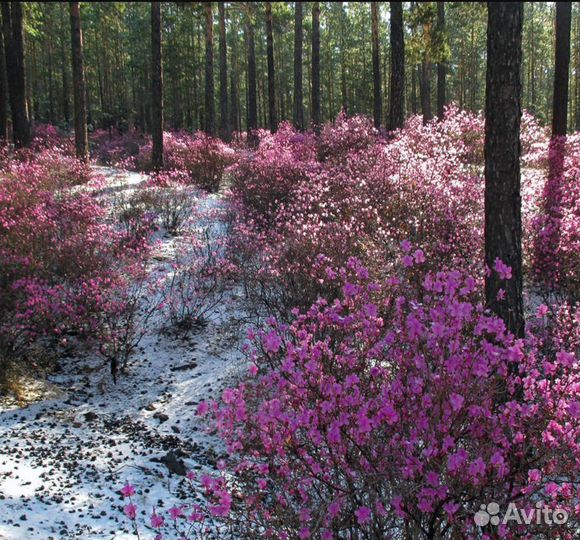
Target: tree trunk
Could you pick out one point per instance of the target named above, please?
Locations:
(343, 92)
(298, 101)
(377, 98)
(224, 120)
(64, 73)
(252, 123)
(78, 69)
(562, 68)
(14, 49)
(503, 227)
(3, 94)
(397, 93)
(156, 87)
(315, 113)
(441, 68)
(234, 97)
(209, 116)
(271, 72)
(425, 87)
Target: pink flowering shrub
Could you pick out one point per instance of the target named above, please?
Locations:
(203, 158)
(114, 149)
(267, 178)
(382, 411)
(58, 256)
(347, 135)
(556, 229)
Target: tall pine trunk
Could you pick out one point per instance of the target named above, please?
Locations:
(252, 90)
(78, 70)
(562, 68)
(441, 68)
(156, 87)
(425, 87)
(503, 226)
(298, 116)
(224, 129)
(3, 94)
(209, 116)
(271, 71)
(315, 114)
(64, 73)
(397, 92)
(343, 88)
(377, 98)
(12, 17)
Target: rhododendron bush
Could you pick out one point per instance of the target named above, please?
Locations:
(60, 258)
(198, 158)
(386, 411)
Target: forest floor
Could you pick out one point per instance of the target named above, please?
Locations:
(65, 456)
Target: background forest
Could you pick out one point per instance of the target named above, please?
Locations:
(118, 74)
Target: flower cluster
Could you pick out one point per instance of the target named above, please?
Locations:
(60, 259)
(382, 409)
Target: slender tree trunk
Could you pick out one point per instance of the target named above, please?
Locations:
(3, 94)
(532, 60)
(12, 16)
(156, 87)
(425, 87)
(64, 73)
(343, 88)
(377, 98)
(234, 109)
(224, 120)
(315, 113)
(397, 93)
(209, 116)
(503, 226)
(271, 72)
(562, 68)
(577, 125)
(441, 68)
(298, 100)
(252, 90)
(78, 69)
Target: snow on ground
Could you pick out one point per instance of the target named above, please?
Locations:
(64, 458)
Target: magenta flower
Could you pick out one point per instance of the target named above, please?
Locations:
(272, 342)
(157, 521)
(363, 514)
(175, 512)
(130, 511)
(127, 490)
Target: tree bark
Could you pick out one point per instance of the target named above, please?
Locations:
(425, 87)
(441, 68)
(343, 88)
(298, 116)
(12, 16)
(397, 92)
(377, 98)
(224, 128)
(64, 73)
(78, 70)
(315, 114)
(503, 227)
(271, 71)
(252, 90)
(209, 116)
(562, 68)
(3, 94)
(156, 87)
